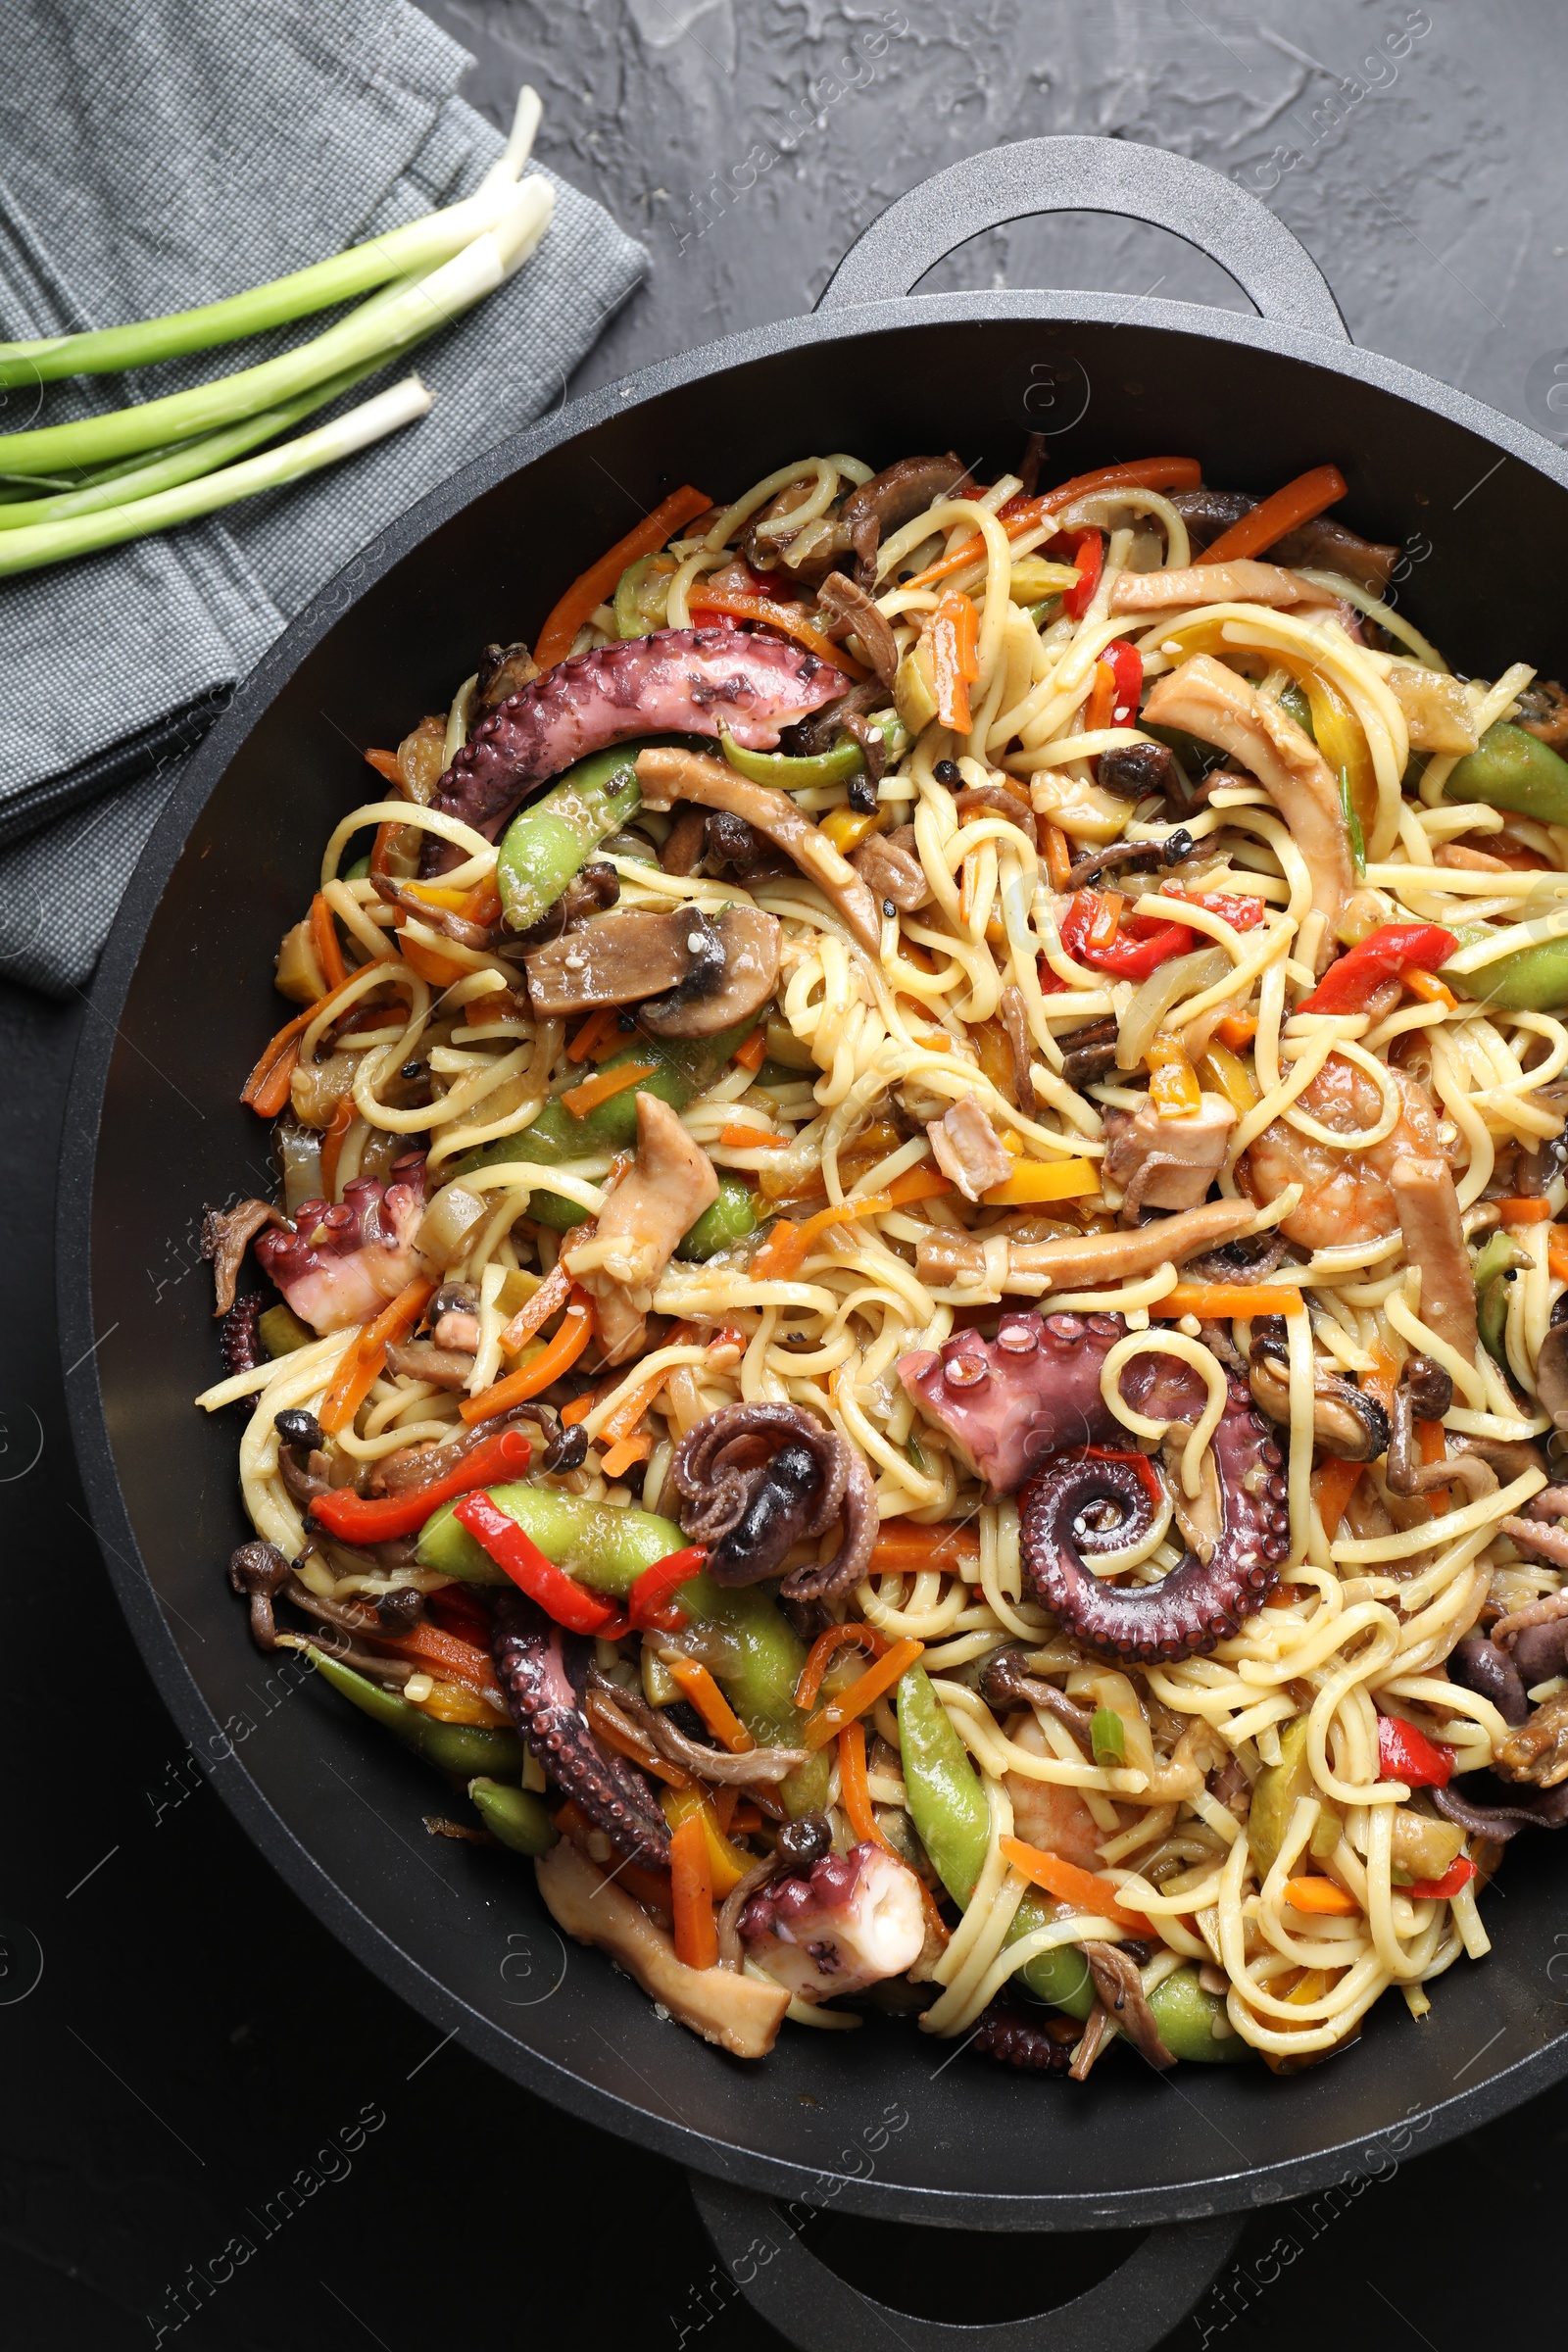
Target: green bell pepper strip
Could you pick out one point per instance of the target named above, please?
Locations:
(1511, 768)
(1530, 980)
(517, 1817)
(682, 1067)
(1186, 2016)
(462, 1747)
(1108, 1737)
(836, 766)
(548, 843)
(724, 1222)
(948, 1806)
(607, 1547)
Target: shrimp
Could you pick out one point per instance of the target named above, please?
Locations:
(1048, 1816)
(1345, 1196)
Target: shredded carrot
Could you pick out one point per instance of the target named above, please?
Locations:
(822, 1649)
(625, 1417)
(553, 1293)
(785, 1250)
(903, 1545)
(325, 943)
(624, 1746)
(953, 635)
(385, 763)
(338, 1125)
(266, 1090)
(624, 1453)
(1427, 986)
(691, 1875)
(1226, 1302)
(855, 1787)
(581, 1407)
(1059, 856)
(1021, 515)
(441, 971)
(1384, 1377)
(1525, 1209)
(1433, 1439)
(1297, 502)
(460, 1661)
(726, 1863)
(582, 1099)
(1237, 1030)
(751, 1139)
(1324, 1896)
(585, 1045)
(556, 1357)
(753, 1052)
(864, 1692)
(1331, 1487)
(1070, 1885)
(596, 585)
(699, 1687)
(706, 599)
(361, 1366)
(1101, 703)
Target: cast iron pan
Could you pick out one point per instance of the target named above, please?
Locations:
(875, 2120)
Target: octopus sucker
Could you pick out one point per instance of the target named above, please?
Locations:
(1022, 1404)
(542, 1672)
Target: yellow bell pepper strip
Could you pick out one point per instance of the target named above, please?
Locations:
(587, 1095)
(701, 598)
(1297, 502)
(697, 1686)
(1021, 515)
(953, 637)
(691, 1876)
(1173, 1087)
(881, 1675)
(846, 827)
(515, 1551)
(361, 1365)
(836, 1637)
(1070, 1885)
(1035, 1180)
(382, 1518)
(727, 1864)
(598, 583)
(556, 1357)
(1230, 1078)
(1322, 1898)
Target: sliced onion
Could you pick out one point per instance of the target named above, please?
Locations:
(1183, 976)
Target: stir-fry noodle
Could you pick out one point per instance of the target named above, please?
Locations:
(915, 1315)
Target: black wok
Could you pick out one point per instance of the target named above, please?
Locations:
(183, 999)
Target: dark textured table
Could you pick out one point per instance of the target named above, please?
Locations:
(214, 2125)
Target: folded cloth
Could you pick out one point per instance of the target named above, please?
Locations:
(154, 156)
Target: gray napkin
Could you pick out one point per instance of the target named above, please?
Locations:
(154, 155)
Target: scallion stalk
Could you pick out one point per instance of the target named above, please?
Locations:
(29, 550)
(389, 324)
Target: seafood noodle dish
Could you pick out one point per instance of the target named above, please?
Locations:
(913, 1323)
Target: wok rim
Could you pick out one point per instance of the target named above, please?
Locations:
(1488, 2100)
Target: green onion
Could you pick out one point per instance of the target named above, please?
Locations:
(415, 249)
(1352, 825)
(84, 534)
(1108, 1737)
(401, 316)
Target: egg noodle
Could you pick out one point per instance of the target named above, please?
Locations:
(868, 1053)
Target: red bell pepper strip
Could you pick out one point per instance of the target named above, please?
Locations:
(1140, 1461)
(1140, 943)
(1409, 1756)
(1382, 955)
(381, 1518)
(1089, 554)
(650, 1602)
(1432, 1891)
(1242, 914)
(1127, 668)
(568, 1603)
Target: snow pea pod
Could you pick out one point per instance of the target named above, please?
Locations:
(462, 1747)
(517, 1817)
(550, 841)
(1494, 1262)
(729, 1219)
(948, 1806)
(1187, 2015)
(1530, 980)
(834, 767)
(1511, 768)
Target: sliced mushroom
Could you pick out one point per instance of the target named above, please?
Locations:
(1205, 699)
(1319, 545)
(817, 733)
(1131, 856)
(1163, 1163)
(504, 671)
(1007, 1682)
(1015, 1021)
(958, 1260)
(891, 499)
(1428, 1207)
(1137, 769)
(1551, 1374)
(1345, 1420)
(659, 1199)
(1088, 1051)
(734, 2010)
(686, 842)
(1407, 1473)
(586, 895)
(1243, 582)
(1013, 805)
(854, 612)
(967, 1148)
(226, 1235)
(889, 866)
(619, 960)
(749, 944)
(444, 920)
(668, 775)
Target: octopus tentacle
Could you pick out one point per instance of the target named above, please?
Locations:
(542, 1672)
(756, 1479)
(1200, 1602)
(692, 681)
(1004, 2033)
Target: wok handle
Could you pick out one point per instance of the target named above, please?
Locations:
(1272, 268)
(816, 2310)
